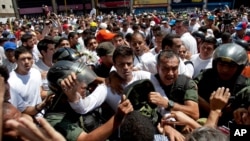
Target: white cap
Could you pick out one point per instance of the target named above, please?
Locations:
(210, 33)
(103, 25)
(152, 23)
(79, 31)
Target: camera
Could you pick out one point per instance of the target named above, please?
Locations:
(227, 19)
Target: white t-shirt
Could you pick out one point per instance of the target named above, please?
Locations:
(36, 53)
(200, 64)
(25, 89)
(2, 55)
(43, 68)
(152, 50)
(10, 66)
(103, 93)
(139, 59)
(149, 65)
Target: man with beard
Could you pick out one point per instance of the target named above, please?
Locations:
(28, 42)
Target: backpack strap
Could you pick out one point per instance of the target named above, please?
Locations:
(188, 62)
(179, 88)
(181, 82)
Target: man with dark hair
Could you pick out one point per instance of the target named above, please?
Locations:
(73, 40)
(169, 42)
(203, 60)
(226, 38)
(119, 40)
(28, 42)
(26, 95)
(123, 58)
(137, 127)
(46, 48)
(174, 92)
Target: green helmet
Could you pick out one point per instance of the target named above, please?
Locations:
(137, 92)
(62, 69)
(231, 52)
(66, 54)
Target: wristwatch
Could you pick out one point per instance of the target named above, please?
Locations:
(170, 104)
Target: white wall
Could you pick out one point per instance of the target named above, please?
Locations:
(8, 6)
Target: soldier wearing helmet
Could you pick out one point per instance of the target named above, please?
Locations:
(65, 78)
(228, 62)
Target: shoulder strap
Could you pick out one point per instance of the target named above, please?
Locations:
(181, 82)
(188, 62)
(179, 87)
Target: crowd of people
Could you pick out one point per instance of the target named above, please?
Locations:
(67, 77)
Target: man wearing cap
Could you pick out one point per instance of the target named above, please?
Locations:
(240, 32)
(12, 38)
(105, 51)
(210, 24)
(66, 30)
(172, 25)
(194, 25)
(165, 27)
(9, 50)
(103, 34)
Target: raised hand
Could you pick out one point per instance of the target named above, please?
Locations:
(219, 99)
(28, 130)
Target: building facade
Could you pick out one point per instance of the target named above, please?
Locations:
(6, 9)
(79, 7)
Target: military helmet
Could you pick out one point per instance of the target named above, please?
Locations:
(243, 43)
(65, 54)
(199, 34)
(231, 52)
(62, 69)
(137, 92)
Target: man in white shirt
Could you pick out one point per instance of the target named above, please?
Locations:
(10, 61)
(140, 49)
(123, 62)
(25, 84)
(172, 42)
(203, 60)
(47, 48)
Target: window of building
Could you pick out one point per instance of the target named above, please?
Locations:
(3, 6)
